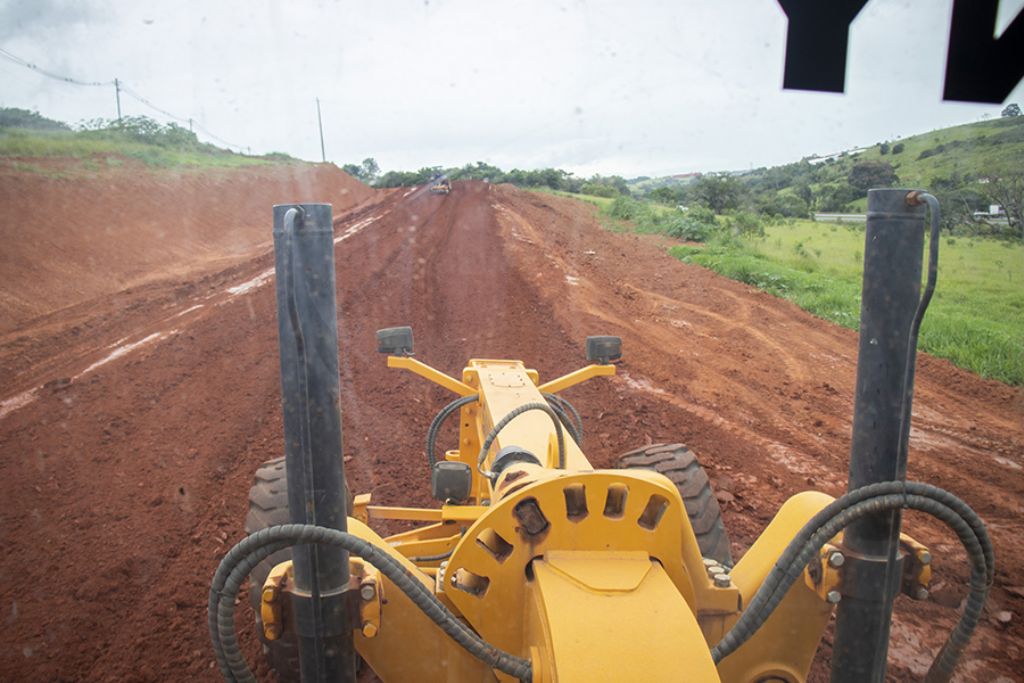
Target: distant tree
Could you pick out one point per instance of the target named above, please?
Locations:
(835, 196)
(598, 189)
(898, 148)
(667, 195)
(718, 192)
(1007, 190)
(804, 192)
(744, 223)
(1012, 109)
(868, 174)
(784, 203)
(12, 117)
(883, 148)
(370, 170)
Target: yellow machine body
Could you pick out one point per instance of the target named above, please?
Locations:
(592, 575)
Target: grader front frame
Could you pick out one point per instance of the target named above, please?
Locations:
(538, 567)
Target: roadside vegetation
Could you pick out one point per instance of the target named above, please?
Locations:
(976, 318)
(969, 167)
(27, 135)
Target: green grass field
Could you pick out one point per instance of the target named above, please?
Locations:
(599, 202)
(976, 318)
(90, 146)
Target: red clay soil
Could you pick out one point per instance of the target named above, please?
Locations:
(70, 235)
(126, 477)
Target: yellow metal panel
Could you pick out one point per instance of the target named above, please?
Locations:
(489, 564)
(409, 646)
(614, 617)
(787, 641)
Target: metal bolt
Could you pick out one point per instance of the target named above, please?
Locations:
(925, 557)
(369, 629)
(716, 571)
(836, 559)
(834, 596)
(723, 580)
(921, 593)
(367, 591)
(708, 562)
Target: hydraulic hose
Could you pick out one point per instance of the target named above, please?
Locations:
(439, 419)
(253, 549)
(564, 409)
(870, 500)
(516, 412)
(915, 327)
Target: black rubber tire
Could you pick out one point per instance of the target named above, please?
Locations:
(268, 506)
(680, 465)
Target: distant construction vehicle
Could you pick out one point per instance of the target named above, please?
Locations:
(441, 186)
(536, 566)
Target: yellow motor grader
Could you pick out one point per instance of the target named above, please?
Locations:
(535, 566)
(441, 186)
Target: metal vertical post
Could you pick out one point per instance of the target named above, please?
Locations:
(894, 240)
(317, 494)
(117, 94)
(320, 124)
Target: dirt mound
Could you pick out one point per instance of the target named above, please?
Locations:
(130, 434)
(70, 235)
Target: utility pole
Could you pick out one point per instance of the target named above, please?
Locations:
(320, 123)
(117, 93)
(190, 125)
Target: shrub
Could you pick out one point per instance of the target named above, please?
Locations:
(695, 225)
(744, 223)
(628, 209)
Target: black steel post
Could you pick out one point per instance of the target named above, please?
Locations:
(893, 247)
(317, 494)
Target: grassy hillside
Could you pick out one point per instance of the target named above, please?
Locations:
(973, 149)
(958, 164)
(26, 135)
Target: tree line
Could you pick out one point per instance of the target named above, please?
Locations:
(553, 178)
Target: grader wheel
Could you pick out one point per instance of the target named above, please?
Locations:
(268, 506)
(679, 464)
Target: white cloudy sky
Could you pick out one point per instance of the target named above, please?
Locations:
(644, 87)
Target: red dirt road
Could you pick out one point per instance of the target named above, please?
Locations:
(129, 449)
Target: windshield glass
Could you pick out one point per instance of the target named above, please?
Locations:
(689, 178)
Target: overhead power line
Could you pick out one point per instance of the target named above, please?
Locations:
(35, 67)
(188, 121)
(121, 87)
